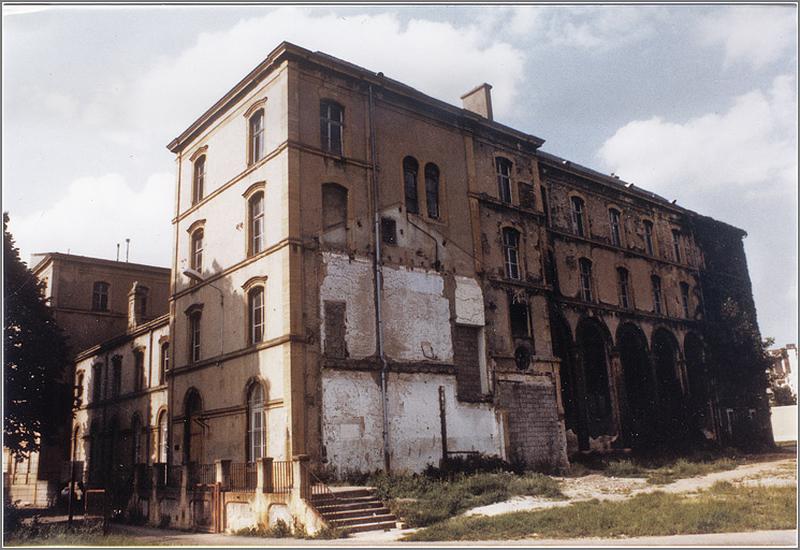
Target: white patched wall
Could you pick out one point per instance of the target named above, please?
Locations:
(417, 328)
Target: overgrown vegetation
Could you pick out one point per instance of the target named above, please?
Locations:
(723, 508)
(59, 534)
(282, 530)
(658, 469)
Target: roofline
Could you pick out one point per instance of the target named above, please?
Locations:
(120, 339)
(286, 49)
(50, 256)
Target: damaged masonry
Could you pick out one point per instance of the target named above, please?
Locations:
(367, 278)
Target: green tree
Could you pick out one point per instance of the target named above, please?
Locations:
(35, 358)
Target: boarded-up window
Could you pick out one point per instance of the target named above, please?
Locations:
(467, 362)
(335, 345)
(527, 196)
(334, 214)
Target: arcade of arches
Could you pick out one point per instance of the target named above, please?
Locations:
(626, 392)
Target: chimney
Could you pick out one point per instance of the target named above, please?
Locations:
(479, 101)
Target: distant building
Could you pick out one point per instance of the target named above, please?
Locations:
(91, 302)
(784, 366)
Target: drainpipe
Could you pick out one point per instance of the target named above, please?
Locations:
(378, 272)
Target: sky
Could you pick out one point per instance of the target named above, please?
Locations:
(696, 103)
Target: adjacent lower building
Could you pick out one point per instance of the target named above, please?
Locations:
(366, 278)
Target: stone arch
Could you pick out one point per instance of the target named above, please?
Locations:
(699, 394)
(666, 357)
(593, 341)
(639, 407)
(193, 432)
(564, 349)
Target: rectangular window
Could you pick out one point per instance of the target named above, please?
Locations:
(97, 383)
(527, 195)
(198, 180)
(685, 300)
(586, 279)
(197, 250)
(410, 170)
(657, 306)
(100, 297)
(624, 289)
(116, 380)
(432, 190)
(194, 337)
(256, 299)
(676, 245)
(256, 204)
(578, 225)
(648, 237)
(256, 126)
(511, 249)
(504, 179)
(331, 127)
(138, 370)
(613, 216)
(164, 364)
(520, 322)
(466, 359)
(389, 231)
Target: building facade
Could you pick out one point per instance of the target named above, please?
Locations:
(374, 279)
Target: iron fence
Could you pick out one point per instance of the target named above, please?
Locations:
(243, 476)
(282, 476)
(202, 474)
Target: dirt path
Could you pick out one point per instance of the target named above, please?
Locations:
(774, 472)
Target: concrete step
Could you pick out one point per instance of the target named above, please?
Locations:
(359, 520)
(331, 505)
(344, 501)
(352, 492)
(359, 512)
(377, 526)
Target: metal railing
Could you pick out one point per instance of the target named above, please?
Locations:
(315, 489)
(282, 476)
(202, 474)
(243, 476)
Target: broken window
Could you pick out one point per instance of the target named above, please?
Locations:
(623, 282)
(520, 322)
(527, 195)
(656, 282)
(410, 170)
(255, 149)
(389, 230)
(585, 266)
(511, 249)
(331, 122)
(613, 218)
(648, 237)
(100, 296)
(199, 178)
(335, 346)
(578, 224)
(676, 245)
(685, 299)
(432, 190)
(504, 178)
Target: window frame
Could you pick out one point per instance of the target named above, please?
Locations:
(504, 170)
(615, 225)
(586, 279)
(196, 251)
(163, 362)
(195, 335)
(256, 409)
(432, 188)
(162, 427)
(255, 223)
(577, 214)
(411, 183)
(116, 376)
(513, 269)
(255, 136)
(100, 295)
(198, 179)
(676, 246)
(328, 123)
(658, 297)
(97, 382)
(685, 297)
(138, 370)
(649, 243)
(256, 329)
(624, 288)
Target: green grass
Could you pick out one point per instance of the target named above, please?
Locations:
(723, 508)
(58, 534)
(657, 470)
(420, 500)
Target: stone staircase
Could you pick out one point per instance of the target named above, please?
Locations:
(354, 510)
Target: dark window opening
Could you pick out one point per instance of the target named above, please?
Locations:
(676, 245)
(657, 307)
(511, 250)
(410, 170)
(648, 237)
(623, 280)
(578, 225)
(504, 179)
(520, 322)
(586, 279)
(527, 195)
(432, 190)
(100, 296)
(614, 221)
(331, 122)
(685, 300)
(389, 230)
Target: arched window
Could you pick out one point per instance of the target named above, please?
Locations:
(255, 150)
(578, 222)
(623, 287)
(432, 190)
(256, 431)
(331, 121)
(136, 434)
(255, 307)
(199, 178)
(657, 305)
(613, 219)
(197, 250)
(410, 170)
(511, 250)
(503, 178)
(162, 437)
(255, 210)
(163, 363)
(648, 237)
(585, 266)
(685, 300)
(100, 296)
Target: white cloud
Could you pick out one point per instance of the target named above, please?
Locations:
(593, 28)
(97, 213)
(751, 147)
(754, 35)
(177, 89)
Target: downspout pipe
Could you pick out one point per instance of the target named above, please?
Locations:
(378, 277)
